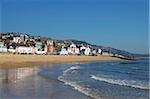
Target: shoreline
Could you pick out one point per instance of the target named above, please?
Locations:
(8, 61)
(41, 83)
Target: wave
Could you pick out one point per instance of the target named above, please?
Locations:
(129, 83)
(81, 88)
(77, 84)
(71, 68)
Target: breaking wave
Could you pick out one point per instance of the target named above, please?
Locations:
(77, 85)
(71, 68)
(81, 88)
(129, 83)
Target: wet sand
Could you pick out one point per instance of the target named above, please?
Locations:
(15, 61)
(27, 83)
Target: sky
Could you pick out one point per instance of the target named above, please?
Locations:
(121, 24)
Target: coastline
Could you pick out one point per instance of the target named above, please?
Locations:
(14, 62)
(17, 61)
(54, 76)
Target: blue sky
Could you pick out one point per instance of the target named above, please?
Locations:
(120, 24)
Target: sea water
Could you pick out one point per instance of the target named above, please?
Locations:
(109, 80)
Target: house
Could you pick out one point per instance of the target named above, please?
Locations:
(60, 43)
(85, 50)
(64, 51)
(107, 53)
(38, 45)
(82, 49)
(16, 39)
(1, 44)
(41, 52)
(73, 50)
(50, 46)
(3, 48)
(12, 48)
(40, 48)
(5, 36)
(25, 50)
(24, 37)
(99, 51)
(94, 52)
(77, 51)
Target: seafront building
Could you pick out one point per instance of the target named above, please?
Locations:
(3, 48)
(64, 51)
(73, 50)
(85, 50)
(19, 43)
(50, 46)
(25, 50)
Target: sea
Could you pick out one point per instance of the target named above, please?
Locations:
(97, 80)
(106, 80)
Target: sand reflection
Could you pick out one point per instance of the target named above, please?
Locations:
(13, 75)
(28, 83)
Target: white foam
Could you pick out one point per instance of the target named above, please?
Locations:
(130, 83)
(78, 87)
(85, 90)
(71, 68)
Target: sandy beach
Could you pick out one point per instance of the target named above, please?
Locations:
(12, 61)
(10, 65)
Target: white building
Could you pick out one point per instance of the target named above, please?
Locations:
(42, 51)
(38, 45)
(77, 51)
(16, 39)
(73, 49)
(94, 52)
(3, 48)
(105, 53)
(85, 50)
(40, 48)
(63, 51)
(11, 50)
(25, 50)
(39, 52)
(99, 51)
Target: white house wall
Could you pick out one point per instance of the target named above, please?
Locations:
(25, 50)
(3, 50)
